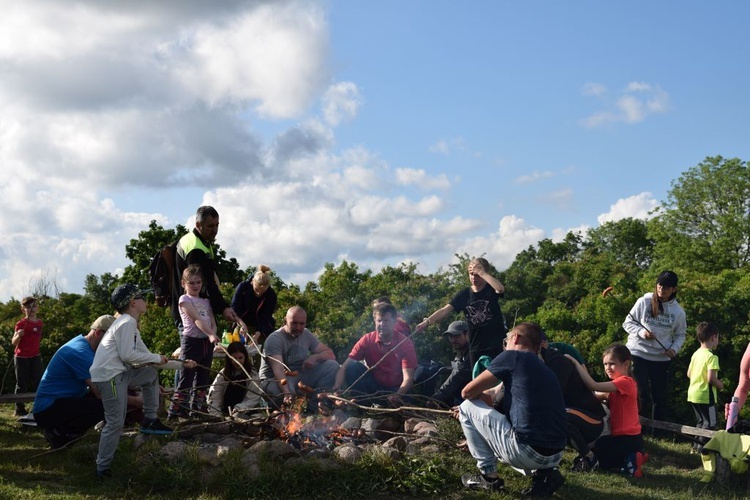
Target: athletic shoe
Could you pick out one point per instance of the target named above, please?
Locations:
(154, 426)
(634, 464)
(480, 482)
(544, 483)
(177, 410)
(583, 463)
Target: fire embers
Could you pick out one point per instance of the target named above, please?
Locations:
(315, 431)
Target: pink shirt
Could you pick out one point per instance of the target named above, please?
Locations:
(389, 372)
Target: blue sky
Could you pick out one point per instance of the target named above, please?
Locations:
(378, 132)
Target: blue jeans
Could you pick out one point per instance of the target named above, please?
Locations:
(490, 437)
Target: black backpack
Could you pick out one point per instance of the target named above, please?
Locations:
(162, 273)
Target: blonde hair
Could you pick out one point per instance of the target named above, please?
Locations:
(261, 277)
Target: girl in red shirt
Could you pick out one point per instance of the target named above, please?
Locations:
(623, 448)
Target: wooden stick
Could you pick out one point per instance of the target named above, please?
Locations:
(390, 410)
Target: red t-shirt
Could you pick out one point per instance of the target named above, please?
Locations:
(389, 372)
(28, 347)
(623, 408)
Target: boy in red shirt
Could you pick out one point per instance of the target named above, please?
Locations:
(26, 357)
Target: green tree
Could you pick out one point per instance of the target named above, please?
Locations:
(705, 222)
(625, 240)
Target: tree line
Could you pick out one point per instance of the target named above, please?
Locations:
(701, 231)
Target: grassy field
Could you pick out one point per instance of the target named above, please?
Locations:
(28, 470)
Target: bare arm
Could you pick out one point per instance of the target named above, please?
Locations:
(16, 338)
(206, 325)
(321, 353)
(434, 317)
(714, 380)
(408, 381)
(743, 386)
(491, 280)
(476, 387)
(589, 382)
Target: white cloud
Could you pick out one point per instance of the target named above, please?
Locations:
(501, 247)
(637, 206)
(594, 89)
(637, 102)
(534, 177)
(341, 102)
(420, 178)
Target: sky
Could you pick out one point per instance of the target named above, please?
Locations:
(374, 132)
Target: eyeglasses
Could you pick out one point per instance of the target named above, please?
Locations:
(139, 297)
(507, 337)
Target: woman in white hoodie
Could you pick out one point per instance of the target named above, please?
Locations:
(656, 327)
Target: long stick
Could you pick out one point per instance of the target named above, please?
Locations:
(390, 410)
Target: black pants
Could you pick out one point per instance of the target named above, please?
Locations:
(583, 428)
(71, 415)
(612, 451)
(652, 378)
(29, 372)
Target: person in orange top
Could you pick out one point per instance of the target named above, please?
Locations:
(26, 357)
(623, 448)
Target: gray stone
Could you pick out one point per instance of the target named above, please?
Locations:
(347, 453)
(352, 423)
(431, 449)
(425, 429)
(249, 459)
(173, 451)
(207, 454)
(410, 423)
(228, 444)
(274, 449)
(398, 442)
(140, 440)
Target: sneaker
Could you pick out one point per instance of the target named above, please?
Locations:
(177, 410)
(583, 463)
(545, 482)
(479, 482)
(154, 426)
(20, 412)
(634, 464)
(103, 473)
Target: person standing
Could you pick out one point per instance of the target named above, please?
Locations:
(198, 341)
(121, 361)
(196, 248)
(27, 359)
(656, 327)
(703, 373)
(480, 304)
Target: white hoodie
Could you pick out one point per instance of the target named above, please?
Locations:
(669, 327)
(120, 348)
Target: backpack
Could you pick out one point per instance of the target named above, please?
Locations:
(162, 272)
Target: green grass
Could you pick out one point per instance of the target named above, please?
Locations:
(26, 472)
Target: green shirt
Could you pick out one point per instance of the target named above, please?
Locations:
(699, 390)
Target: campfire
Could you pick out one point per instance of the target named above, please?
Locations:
(313, 432)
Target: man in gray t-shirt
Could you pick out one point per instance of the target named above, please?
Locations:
(294, 354)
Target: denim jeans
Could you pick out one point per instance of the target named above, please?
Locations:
(490, 436)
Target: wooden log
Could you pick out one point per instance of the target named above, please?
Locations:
(22, 397)
(685, 430)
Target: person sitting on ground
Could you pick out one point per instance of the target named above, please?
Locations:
(528, 432)
(585, 413)
(256, 302)
(480, 304)
(402, 326)
(449, 394)
(123, 360)
(390, 357)
(67, 403)
(295, 361)
(236, 387)
(623, 448)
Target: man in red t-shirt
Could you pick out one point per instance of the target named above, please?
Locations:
(389, 357)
